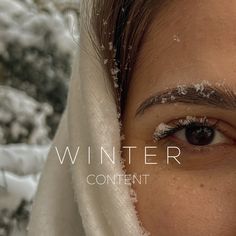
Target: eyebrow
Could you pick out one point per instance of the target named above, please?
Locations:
(199, 94)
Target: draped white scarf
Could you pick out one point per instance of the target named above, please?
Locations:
(66, 205)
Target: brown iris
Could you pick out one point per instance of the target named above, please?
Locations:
(199, 135)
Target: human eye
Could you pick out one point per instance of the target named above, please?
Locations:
(197, 132)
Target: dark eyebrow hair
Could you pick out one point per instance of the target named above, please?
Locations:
(199, 94)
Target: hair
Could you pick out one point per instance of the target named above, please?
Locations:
(119, 26)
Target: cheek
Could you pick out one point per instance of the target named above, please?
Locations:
(197, 199)
(183, 205)
(184, 202)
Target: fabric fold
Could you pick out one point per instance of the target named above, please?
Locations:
(65, 203)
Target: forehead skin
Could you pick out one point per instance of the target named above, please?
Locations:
(189, 41)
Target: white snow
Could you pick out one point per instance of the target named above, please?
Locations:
(22, 159)
(160, 130)
(20, 168)
(17, 110)
(176, 38)
(25, 24)
(22, 118)
(182, 89)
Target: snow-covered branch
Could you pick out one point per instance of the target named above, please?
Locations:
(23, 159)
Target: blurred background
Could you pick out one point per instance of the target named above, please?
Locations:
(37, 41)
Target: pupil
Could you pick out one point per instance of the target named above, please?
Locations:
(199, 135)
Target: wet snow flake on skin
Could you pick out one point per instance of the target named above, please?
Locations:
(164, 100)
(201, 89)
(161, 130)
(189, 119)
(176, 38)
(182, 89)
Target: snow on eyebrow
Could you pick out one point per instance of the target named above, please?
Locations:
(203, 93)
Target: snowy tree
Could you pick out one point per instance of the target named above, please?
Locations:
(37, 41)
(22, 119)
(36, 49)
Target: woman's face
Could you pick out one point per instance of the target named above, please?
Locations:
(188, 63)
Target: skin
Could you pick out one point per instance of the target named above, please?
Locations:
(187, 42)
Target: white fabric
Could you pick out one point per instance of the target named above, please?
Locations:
(66, 205)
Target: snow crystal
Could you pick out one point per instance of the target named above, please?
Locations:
(116, 84)
(122, 137)
(161, 130)
(133, 195)
(110, 46)
(220, 83)
(104, 22)
(164, 100)
(187, 120)
(120, 124)
(176, 38)
(190, 119)
(130, 47)
(114, 71)
(182, 89)
(200, 88)
(102, 47)
(118, 115)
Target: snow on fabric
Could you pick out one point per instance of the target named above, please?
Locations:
(90, 120)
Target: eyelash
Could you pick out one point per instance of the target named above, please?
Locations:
(182, 124)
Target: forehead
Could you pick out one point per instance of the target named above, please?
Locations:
(196, 20)
(188, 41)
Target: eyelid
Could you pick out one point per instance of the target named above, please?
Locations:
(166, 130)
(227, 130)
(219, 139)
